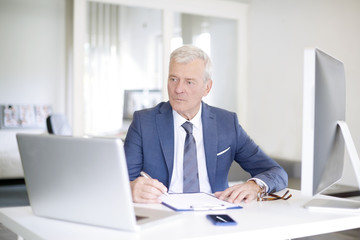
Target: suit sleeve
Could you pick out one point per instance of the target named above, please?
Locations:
(253, 160)
(133, 148)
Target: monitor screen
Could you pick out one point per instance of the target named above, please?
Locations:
(323, 106)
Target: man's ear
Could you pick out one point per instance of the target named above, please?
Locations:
(208, 86)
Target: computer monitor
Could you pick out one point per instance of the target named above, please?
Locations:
(325, 132)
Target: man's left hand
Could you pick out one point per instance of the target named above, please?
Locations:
(246, 192)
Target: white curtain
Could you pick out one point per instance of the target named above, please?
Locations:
(103, 91)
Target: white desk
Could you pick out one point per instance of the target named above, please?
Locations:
(258, 220)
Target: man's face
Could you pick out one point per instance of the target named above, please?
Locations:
(186, 87)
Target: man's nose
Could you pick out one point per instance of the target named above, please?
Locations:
(179, 88)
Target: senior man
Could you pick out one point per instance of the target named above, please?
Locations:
(186, 145)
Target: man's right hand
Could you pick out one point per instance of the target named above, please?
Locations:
(146, 190)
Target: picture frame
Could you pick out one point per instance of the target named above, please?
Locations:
(14, 116)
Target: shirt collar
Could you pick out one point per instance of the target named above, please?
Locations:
(179, 120)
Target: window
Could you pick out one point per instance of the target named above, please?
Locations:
(122, 52)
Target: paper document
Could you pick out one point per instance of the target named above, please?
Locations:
(195, 201)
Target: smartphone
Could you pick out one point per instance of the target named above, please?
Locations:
(221, 219)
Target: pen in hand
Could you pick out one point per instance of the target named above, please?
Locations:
(145, 175)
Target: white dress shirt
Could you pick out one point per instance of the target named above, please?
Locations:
(176, 183)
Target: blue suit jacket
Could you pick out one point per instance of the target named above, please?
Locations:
(149, 146)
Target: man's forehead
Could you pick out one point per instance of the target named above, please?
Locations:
(193, 66)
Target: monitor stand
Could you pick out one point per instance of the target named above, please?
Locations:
(341, 204)
(350, 147)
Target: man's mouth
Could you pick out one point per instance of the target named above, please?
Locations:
(179, 99)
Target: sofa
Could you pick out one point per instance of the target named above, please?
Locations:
(10, 163)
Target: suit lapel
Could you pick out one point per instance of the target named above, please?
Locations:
(165, 128)
(210, 141)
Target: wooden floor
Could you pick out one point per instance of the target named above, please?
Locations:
(14, 194)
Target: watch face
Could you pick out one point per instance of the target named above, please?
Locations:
(262, 192)
(260, 184)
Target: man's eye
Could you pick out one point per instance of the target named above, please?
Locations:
(173, 79)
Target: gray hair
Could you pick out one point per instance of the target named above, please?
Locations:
(188, 53)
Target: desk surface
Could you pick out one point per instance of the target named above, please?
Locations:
(257, 220)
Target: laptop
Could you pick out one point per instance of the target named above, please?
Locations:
(83, 180)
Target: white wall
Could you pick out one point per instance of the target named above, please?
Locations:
(279, 32)
(32, 47)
